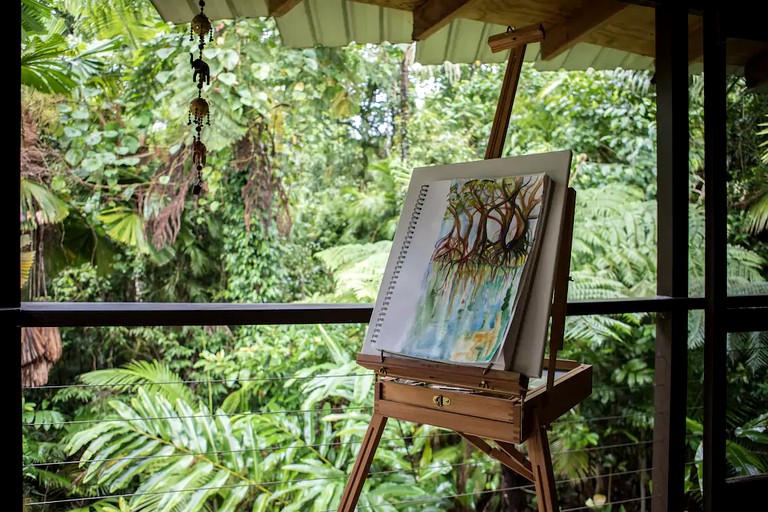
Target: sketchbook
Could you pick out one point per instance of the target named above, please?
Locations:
(470, 275)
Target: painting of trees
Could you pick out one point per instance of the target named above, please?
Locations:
(489, 222)
(474, 275)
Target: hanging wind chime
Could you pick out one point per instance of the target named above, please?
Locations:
(199, 110)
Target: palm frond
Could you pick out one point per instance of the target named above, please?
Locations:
(27, 259)
(125, 225)
(152, 376)
(102, 19)
(39, 205)
(749, 349)
(44, 61)
(175, 456)
(34, 15)
(764, 144)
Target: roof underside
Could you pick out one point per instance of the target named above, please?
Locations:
(607, 35)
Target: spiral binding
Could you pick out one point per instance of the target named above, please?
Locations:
(422, 197)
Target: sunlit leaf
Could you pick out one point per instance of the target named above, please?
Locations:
(125, 226)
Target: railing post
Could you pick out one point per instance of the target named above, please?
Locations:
(715, 284)
(670, 392)
(10, 294)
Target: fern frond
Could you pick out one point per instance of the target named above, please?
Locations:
(357, 269)
(758, 212)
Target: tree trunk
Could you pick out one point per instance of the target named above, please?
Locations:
(404, 110)
(463, 473)
(513, 500)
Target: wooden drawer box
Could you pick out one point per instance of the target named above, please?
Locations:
(471, 413)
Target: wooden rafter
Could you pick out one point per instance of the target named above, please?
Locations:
(695, 42)
(432, 15)
(562, 36)
(279, 8)
(756, 71)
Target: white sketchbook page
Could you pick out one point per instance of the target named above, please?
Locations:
(408, 285)
(529, 352)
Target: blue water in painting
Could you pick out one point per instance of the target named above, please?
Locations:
(462, 315)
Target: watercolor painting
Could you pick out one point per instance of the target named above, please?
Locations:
(472, 283)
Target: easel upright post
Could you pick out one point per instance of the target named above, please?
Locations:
(516, 41)
(560, 302)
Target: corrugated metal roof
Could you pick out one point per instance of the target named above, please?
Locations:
(339, 22)
(182, 11)
(466, 41)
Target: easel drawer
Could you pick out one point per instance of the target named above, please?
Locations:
(485, 416)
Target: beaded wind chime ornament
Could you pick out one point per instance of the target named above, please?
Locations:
(199, 111)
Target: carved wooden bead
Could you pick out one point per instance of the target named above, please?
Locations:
(201, 25)
(198, 107)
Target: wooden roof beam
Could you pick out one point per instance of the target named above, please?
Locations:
(576, 27)
(279, 8)
(756, 72)
(432, 15)
(695, 43)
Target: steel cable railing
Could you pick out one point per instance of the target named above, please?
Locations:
(336, 444)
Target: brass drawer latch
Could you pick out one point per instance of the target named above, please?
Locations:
(441, 401)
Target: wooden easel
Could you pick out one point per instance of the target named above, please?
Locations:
(491, 409)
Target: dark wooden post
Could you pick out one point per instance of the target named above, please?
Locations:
(10, 295)
(715, 284)
(670, 391)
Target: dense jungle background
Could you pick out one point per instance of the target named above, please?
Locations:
(310, 153)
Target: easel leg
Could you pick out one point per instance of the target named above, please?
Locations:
(541, 460)
(362, 463)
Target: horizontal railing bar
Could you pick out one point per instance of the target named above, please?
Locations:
(170, 314)
(641, 305)
(103, 314)
(747, 301)
(747, 320)
(745, 491)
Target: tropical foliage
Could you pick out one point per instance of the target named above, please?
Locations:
(310, 153)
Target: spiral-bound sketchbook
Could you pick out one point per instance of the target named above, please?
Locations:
(471, 270)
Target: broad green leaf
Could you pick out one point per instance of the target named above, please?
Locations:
(93, 138)
(129, 161)
(81, 114)
(72, 133)
(73, 156)
(130, 143)
(227, 78)
(164, 53)
(229, 59)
